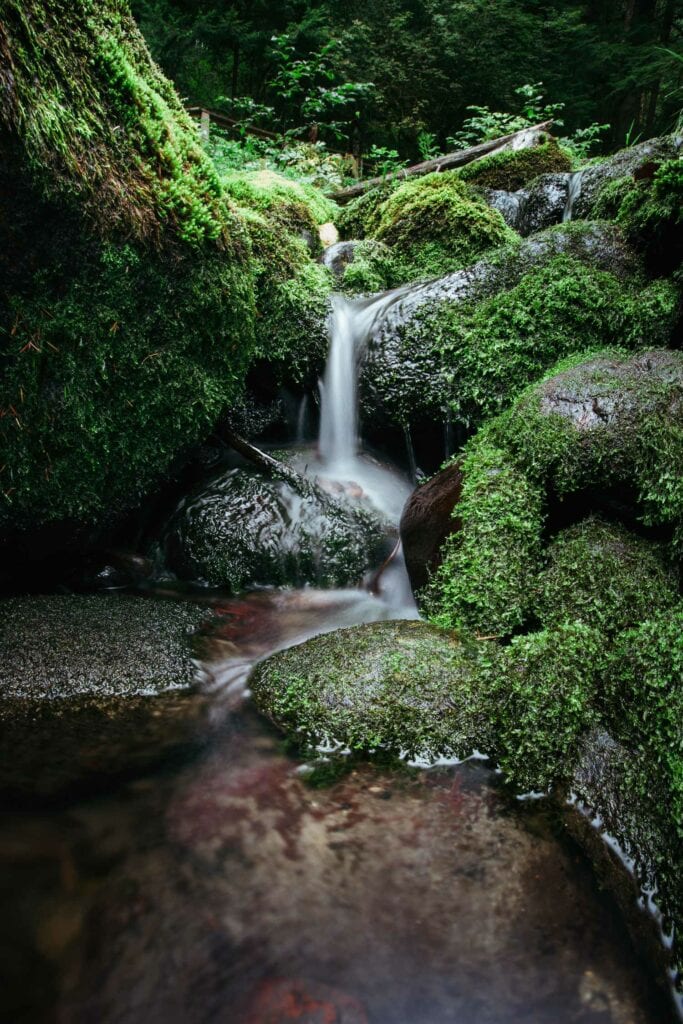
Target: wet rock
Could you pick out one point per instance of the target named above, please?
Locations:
(540, 205)
(337, 257)
(426, 522)
(280, 999)
(405, 686)
(93, 687)
(627, 162)
(404, 375)
(245, 530)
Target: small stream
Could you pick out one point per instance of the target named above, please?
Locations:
(240, 885)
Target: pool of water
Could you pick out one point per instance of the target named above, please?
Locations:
(227, 888)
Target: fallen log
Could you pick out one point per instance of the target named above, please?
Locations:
(525, 138)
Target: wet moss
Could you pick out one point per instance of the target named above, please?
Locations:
(652, 217)
(374, 268)
(513, 169)
(401, 686)
(611, 420)
(644, 701)
(489, 564)
(600, 574)
(361, 217)
(435, 224)
(546, 701)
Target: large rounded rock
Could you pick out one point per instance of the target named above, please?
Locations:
(92, 687)
(427, 521)
(405, 686)
(245, 530)
(627, 162)
(603, 575)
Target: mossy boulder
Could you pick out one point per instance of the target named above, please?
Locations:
(436, 224)
(361, 217)
(651, 215)
(244, 530)
(489, 565)
(404, 686)
(373, 268)
(94, 687)
(634, 161)
(466, 345)
(603, 575)
(513, 169)
(605, 424)
(608, 421)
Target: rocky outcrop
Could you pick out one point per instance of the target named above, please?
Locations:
(244, 530)
(94, 687)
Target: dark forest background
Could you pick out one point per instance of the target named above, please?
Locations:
(403, 73)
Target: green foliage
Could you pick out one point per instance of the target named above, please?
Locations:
(362, 216)
(374, 268)
(611, 196)
(545, 702)
(513, 169)
(484, 124)
(292, 206)
(115, 374)
(490, 562)
(602, 575)
(492, 349)
(644, 701)
(435, 224)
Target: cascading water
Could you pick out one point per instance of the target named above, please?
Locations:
(573, 193)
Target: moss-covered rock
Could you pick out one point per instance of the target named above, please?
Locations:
(600, 574)
(546, 701)
(489, 565)
(126, 319)
(652, 217)
(374, 268)
(633, 161)
(513, 169)
(436, 224)
(361, 217)
(244, 530)
(404, 686)
(645, 701)
(607, 421)
(92, 687)
(468, 344)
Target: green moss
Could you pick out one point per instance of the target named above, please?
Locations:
(600, 574)
(610, 420)
(489, 564)
(401, 686)
(113, 375)
(102, 128)
(610, 197)
(435, 225)
(545, 702)
(361, 217)
(374, 268)
(296, 208)
(492, 350)
(644, 701)
(652, 216)
(513, 169)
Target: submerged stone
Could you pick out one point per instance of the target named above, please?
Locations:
(243, 530)
(93, 687)
(405, 686)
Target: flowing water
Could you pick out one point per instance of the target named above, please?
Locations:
(230, 888)
(573, 193)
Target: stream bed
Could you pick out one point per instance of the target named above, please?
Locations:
(229, 888)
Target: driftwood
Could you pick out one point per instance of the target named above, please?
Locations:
(447, 162)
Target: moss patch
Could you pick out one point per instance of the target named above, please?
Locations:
(600, 574)
(513, 169)
(435, 225)
(361, 217)
(490, 563)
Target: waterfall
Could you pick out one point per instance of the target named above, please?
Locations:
(573, 193)
(352, 323)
